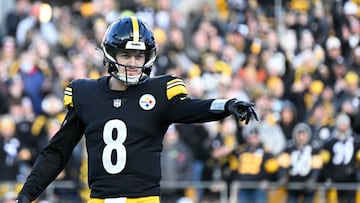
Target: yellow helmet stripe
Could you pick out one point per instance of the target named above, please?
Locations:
(135, 25)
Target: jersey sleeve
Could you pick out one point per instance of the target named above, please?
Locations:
(184, 109)
(54, 157)
(68, 98)
(175, 87)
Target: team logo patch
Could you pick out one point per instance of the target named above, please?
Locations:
(147, 102)
(117, 103)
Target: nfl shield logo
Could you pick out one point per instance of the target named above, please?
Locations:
(117, 103)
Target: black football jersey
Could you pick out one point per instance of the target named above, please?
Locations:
(341, 159)
(251, 163)
(300, 163)
(123, 131)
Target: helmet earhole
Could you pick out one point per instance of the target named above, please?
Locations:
(111, 67)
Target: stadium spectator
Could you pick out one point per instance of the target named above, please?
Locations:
(340, 154)
(300, 163)
(252, 162)
(10, 148)
(176, 162)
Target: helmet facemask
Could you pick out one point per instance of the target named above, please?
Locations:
(114, 69)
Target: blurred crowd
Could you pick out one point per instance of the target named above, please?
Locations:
(299, 62)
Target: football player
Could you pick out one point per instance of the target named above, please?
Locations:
(124, 117)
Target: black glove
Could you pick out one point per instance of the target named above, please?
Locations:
(242, 110)
(22, 199)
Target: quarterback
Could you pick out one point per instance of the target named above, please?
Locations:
(124, 117)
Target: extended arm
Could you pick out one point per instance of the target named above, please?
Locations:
(183, 109)
(197, 110)
(53, 158)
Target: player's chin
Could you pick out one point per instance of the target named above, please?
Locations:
(133, 72)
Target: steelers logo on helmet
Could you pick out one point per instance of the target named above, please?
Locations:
(128, 34)
(147, 102)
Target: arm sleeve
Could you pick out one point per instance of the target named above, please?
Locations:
(197, 110)
(183, 109)
(53, 158)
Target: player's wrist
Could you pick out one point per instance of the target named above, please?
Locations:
(219, 106)
(229, 103)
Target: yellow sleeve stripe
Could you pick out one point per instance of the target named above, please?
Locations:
(174, 81)
(175, 87)
(176, 90)
(68, 97)
(175, 84)
(68, 91)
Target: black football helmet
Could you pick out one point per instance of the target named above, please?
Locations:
(129, 33)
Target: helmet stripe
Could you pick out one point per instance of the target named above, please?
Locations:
(135, 25)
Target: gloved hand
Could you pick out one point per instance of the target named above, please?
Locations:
(242, 110)
(22, 199)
